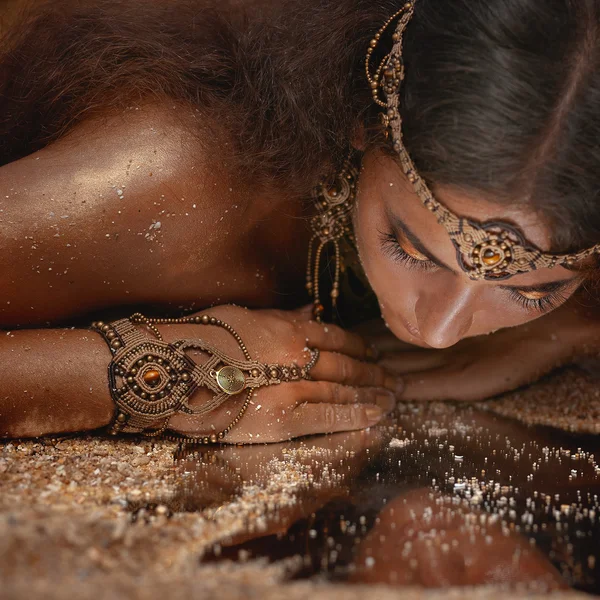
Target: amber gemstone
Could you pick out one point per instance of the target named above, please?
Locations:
(152, 377)
(491, 257)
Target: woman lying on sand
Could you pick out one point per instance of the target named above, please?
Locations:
(165, 164)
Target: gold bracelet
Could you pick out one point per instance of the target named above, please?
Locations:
(152, 380)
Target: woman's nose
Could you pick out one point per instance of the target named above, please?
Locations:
(444, 318)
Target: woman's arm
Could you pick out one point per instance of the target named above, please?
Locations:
(481, 367)
(116, 213)
(53, 380)
(56, 380)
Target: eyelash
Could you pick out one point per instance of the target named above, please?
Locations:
(394, 250)
(550, 302)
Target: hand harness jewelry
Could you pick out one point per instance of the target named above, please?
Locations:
(493, 250)
(152, 380)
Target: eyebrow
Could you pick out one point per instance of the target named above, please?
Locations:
(543, 288)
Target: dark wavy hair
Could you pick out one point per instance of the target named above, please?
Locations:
(501, 99)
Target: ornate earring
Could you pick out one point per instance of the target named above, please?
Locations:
(333, 221)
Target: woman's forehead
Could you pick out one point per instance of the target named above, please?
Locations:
(423, 224)
(482, 209)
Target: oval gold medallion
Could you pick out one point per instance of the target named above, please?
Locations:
(231, 380)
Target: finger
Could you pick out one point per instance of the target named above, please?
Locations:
(335, 393)
(340, 368)
(335, 339)
(306, 312)
(458, 385)
(410, 362)
(389, 343)
(310, 418)
(428, 385)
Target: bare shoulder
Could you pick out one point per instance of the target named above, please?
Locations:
(100, 217)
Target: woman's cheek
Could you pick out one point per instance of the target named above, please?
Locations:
(395, 288)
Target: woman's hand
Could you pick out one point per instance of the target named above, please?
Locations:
(346, 392)
(215, 475)
(481, 367)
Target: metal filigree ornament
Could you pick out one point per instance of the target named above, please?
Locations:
(494, 250)
(333, 221)
(152, 380)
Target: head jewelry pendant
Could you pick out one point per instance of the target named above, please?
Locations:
(332, 222)
(494, 250)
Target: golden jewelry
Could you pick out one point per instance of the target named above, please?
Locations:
(332, 222)
(152, 380)
(493, 250)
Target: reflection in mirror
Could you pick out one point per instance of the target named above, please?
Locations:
(442, 496)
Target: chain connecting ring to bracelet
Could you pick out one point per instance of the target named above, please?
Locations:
(151, 380)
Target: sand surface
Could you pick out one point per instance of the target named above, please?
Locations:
(74, 515)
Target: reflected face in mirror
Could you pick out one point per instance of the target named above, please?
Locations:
(430, 540)
(410, 261)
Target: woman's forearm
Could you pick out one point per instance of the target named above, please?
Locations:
(53, 381)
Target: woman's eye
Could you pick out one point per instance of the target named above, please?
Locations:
(413, 260)
(538, 301)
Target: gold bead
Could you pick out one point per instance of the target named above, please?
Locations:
(205, 319)
(213, 438)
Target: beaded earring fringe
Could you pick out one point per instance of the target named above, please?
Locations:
(334, 204)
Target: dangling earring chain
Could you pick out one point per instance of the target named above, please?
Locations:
(334, 221)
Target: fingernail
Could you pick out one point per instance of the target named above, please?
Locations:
(386, 400)
(374, 414)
